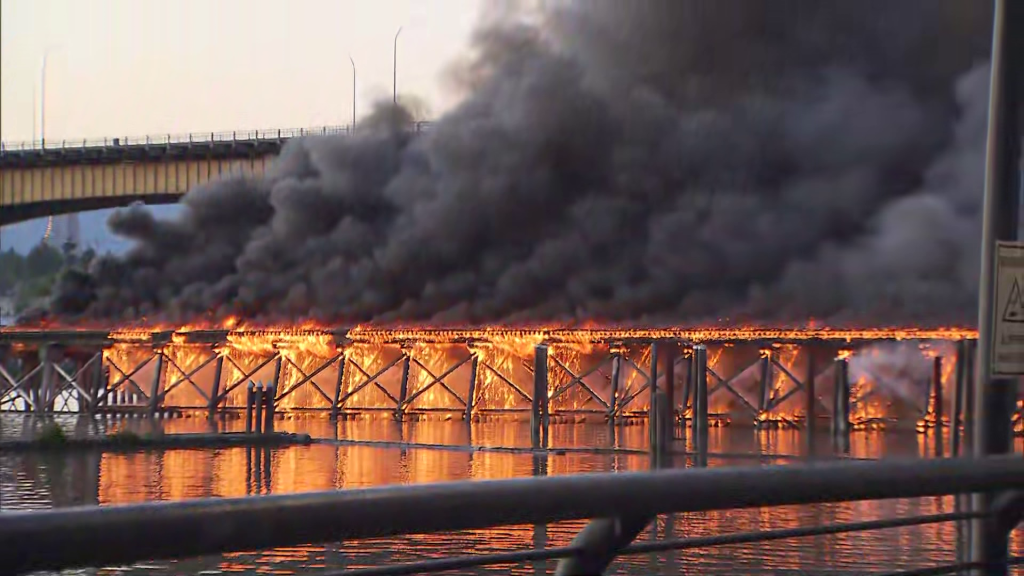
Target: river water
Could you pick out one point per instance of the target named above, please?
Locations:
(40, 481)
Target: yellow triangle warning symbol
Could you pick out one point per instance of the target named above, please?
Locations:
(1013, 311)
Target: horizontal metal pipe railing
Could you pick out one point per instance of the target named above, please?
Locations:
(477, 560)
(83, 536)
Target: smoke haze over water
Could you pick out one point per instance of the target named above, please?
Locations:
(664, 162)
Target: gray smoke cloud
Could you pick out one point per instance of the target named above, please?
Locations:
(663, 162)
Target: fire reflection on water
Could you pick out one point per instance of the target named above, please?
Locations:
(177, 475)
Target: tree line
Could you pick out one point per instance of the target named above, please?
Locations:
(29, 278)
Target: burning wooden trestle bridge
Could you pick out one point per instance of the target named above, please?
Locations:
(776, 378)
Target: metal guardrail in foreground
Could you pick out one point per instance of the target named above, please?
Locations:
(103, 536)
(272, 134)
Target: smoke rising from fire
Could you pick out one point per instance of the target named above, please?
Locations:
(664, 162)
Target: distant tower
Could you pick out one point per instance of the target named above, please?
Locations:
(65, 232)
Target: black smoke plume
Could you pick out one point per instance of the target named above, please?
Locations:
(664, 162)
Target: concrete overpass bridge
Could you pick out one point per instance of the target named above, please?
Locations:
(47, 179)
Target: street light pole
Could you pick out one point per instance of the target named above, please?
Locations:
(352, 126)
(394, 70)
(995, 396)
(42, 103)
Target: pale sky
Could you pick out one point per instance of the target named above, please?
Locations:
(138, 67)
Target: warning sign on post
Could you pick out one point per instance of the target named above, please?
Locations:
(1008, 340)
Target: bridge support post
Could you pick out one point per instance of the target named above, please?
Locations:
(250, 401)
(700, 403)
(403, 389)
(686, 403)
(539, 408)
(959, 382)
(474, 365)
(42, 400)
(338, 384)
(100, 381)
(652, 409)
(811, 400)
(841, 399)
(764, 389)
(257, 408)
(269, 407)
(218, 372)
(938, 410)
(669, 356)
(154, 391)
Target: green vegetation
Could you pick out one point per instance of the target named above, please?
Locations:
(52, 435)
(126, 437)
(31, 277)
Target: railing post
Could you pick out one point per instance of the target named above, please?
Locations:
(218, 370)
(474, 363)
(540, 394)
(601, 540)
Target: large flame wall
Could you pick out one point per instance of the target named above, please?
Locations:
(888, 380)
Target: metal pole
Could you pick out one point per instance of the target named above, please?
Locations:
(352, 126)
(994, 397)
(394, 70)
(42, 102)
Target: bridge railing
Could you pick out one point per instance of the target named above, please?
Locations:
(272, 134)
(622, 504)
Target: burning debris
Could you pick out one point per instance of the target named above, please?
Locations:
(656, 162)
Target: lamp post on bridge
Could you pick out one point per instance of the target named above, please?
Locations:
(394, 70)
(352, 126)
(42, 100)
